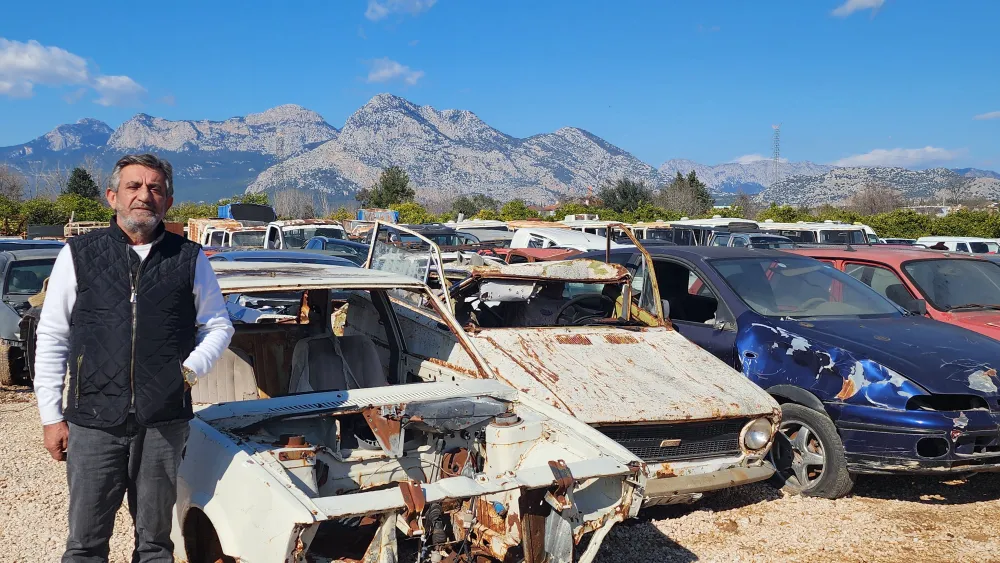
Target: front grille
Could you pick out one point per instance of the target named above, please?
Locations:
(715, 438)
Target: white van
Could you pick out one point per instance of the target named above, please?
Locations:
(973, 245)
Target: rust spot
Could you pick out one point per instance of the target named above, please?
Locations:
(620, 339)
(664, 472)
(572, 339)
(990, 372)
(847, 391)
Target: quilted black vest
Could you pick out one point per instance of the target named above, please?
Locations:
(132, 325)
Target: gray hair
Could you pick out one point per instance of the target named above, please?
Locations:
(147, 160)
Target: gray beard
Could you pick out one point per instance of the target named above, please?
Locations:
(139, 226)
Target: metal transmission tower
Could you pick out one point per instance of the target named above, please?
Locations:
(776, 155)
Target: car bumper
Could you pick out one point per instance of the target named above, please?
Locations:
(925, 442)
(674, 483)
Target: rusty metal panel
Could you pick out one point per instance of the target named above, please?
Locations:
(580, 270)
(604, 376)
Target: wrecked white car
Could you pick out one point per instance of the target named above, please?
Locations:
(314, 442)
(559, 332)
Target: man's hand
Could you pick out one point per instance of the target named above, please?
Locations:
(56, 439)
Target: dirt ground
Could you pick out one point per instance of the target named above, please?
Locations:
(886, 519)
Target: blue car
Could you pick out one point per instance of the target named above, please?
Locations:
(865, 386)
(295, 256)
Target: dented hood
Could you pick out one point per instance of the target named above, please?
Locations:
(606, 375)
(939, 357)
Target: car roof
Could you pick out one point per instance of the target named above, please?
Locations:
(957, 239)
(33, 254)
(895, 256)
(238, 277)
(712, 252)
(277, 255)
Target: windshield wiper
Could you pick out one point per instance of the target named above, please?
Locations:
(974, 306)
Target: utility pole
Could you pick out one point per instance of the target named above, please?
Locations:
(776, 155)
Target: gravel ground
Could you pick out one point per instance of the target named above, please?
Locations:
(886, 519)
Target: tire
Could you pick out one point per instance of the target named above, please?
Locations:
(6, 374)
(823, 467)
(29, 348)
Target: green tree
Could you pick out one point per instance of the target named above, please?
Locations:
(82, 184)
(487, 215)
(516, 210)
(259, 198)
(10, 216)
(412, 213)
(342, 214)
(392, 188)
(625, 195)
(967, 223)
(185, 210)
(902, 223)
(688, 195)
(82, 208)
(41, 211)
(470, 205)
(784, 214)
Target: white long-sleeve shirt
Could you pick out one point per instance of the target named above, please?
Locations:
(52, 350)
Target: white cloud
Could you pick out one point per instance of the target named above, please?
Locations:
(988, 115)
(117, 90)
(386, 70)
(378, 9)
(23, 65)
(851, 6)
(748, 158)
(900, 157)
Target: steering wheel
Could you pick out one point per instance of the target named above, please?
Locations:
(810, 302)
(598, 296)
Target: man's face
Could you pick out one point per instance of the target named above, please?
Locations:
(141, 201)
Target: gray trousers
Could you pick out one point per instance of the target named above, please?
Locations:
(102, 465)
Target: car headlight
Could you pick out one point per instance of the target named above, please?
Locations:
(757, 434)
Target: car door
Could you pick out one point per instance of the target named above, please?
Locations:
(883, 280)
(413, 259)
(696, 308)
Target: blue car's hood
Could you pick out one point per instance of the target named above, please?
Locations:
(879, 362)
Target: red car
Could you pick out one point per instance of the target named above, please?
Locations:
(958, 289)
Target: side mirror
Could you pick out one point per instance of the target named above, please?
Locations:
(918, 307)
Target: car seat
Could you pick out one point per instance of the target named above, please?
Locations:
(333, 363)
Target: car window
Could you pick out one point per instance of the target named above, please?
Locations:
(536, 242)
(739, 242)
(248, 238)
(216, 238)
(954, 283)
(979, 247)
(721, 240)
(272, 237)
(962, 247)
(25, 277)
(882, 280)
(800, 288)
(314, 244)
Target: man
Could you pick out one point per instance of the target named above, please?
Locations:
(134, 315)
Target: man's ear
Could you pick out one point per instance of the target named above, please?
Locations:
(112, 197)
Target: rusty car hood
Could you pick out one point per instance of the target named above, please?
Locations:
(606, 375)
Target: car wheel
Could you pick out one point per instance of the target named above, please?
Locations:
(6, 374)
(808, 455)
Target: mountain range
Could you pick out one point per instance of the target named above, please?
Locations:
(445, 152)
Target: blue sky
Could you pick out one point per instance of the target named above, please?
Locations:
(851, 81)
